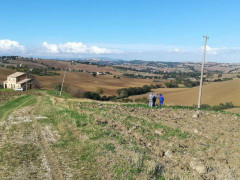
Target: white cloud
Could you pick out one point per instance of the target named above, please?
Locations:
(51, 48)
(121, 51)
(177, 50)
(7, 45)
(210, 50)
(97, 50)
(75, 48)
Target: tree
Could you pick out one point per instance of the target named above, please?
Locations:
(57, 87)
(94, 74)
(171, 84)
(91, 95)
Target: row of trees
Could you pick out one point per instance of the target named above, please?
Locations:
(219, 107)
(122, 93)
(141, 76)
(189, 84)
(126, 92)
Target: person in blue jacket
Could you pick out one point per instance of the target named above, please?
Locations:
(161, 99)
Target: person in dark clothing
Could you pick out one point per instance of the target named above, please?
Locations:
(161, 99)
(154, 99)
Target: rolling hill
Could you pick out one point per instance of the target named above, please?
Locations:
(213, 94)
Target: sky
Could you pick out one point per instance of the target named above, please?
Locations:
(156, 30)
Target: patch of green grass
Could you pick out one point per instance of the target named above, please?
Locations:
(56, 94)
(118, 137)
(15, 155)
(86, 108)
(127, 123)
(6, 89)
(81, 120)
(127, 170)
(97, 133)
(32, 100)
(66, 138)
(109, 147)
(26, 100)
(124, 169)
(47, 101)
(88, 152)
(168, 132)
(65, 115)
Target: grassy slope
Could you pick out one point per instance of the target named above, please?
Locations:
(91, 140)
(19, 102)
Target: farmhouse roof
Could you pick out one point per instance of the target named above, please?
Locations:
(16, 74)
(23, 81)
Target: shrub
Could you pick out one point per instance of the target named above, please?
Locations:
(171, 84)
(94, 74)
(57, 87)
(205, 106)
(217, 80)
(190, 84)
(219, 107)
(229, 105)
(222, 106)
(125, 92)
(91, 95)
(227, 79)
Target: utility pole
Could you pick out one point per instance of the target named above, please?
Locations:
(201, 81)
(63, 82)
(26, 81)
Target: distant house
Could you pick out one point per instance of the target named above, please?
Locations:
(100, 73)
(171, 79)
(11, 57)
(191, 79)
(20, 80)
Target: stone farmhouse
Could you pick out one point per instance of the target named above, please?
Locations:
(20, 80)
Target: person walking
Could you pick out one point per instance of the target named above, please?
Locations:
(161, 99)
(150, 100)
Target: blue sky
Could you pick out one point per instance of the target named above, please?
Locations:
(127, 29)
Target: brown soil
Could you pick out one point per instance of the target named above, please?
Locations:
(174, 143)
(212, 94)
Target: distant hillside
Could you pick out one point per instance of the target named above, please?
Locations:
(213, 94)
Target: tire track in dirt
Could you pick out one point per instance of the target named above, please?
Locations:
(55, 171)
(20, 116)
